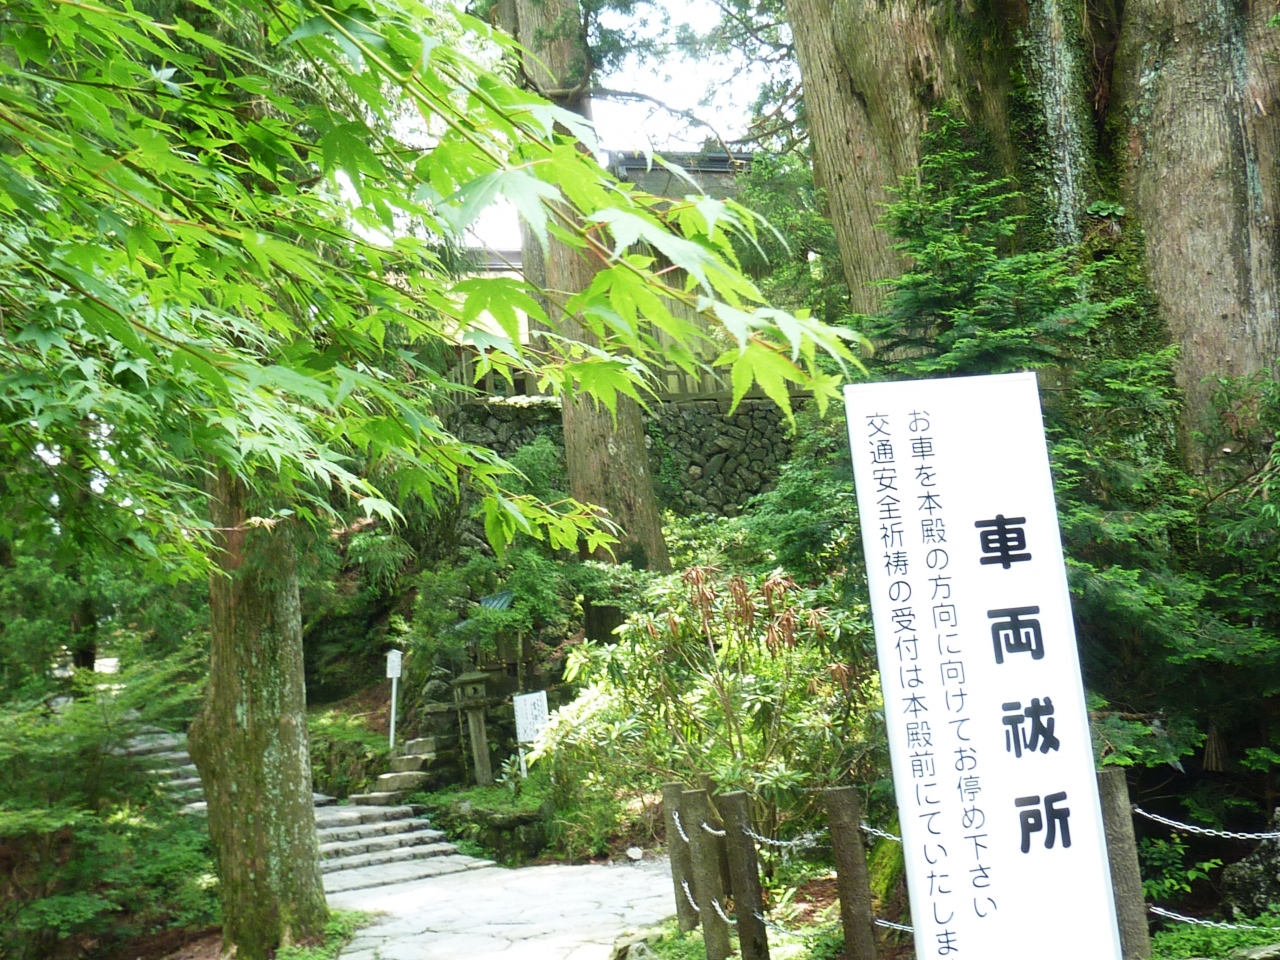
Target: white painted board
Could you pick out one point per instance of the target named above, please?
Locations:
(394, 660)
(988, 731)
(531, 715)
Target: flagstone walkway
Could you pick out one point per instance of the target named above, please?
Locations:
(534, 913)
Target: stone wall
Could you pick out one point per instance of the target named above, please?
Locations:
(703, 458)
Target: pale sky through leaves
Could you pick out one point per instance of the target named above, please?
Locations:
(681, 83)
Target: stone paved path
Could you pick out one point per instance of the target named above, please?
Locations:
(534, 913)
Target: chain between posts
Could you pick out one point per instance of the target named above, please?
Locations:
(805, 840)
(1217, 924)
(889, 924)
(894, 926)
(675, 817)
(1206, 831)
(688, 895)
(880, 833)
(712, 830)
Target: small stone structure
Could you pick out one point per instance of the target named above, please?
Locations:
(704, 458)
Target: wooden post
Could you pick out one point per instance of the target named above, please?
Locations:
(726, 881)
(479, 745)
(681, 856)
(748, 902)
(1122, 852)
(852, 880)
(695, 808)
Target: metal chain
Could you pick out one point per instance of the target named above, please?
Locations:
(723, 916)
(805, 840)
(688, 895)
(895, 926)
(1170, 915)
(712, 830)
(1206, 831)
(880, 833)
(675, 816)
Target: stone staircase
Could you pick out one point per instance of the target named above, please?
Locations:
(362, 845)
(426, 762)
(369, 846)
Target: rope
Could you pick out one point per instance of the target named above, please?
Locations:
(1205, 831)
(688, 895)
(675, 816)
(1218, 924)
(716, 904)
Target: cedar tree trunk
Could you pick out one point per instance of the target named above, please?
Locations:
(605, 454)
(249, 741)
(1167, 106)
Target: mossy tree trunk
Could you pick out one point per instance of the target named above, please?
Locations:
(1166, 106)
(1197, 119)
(605, 453)
(249, 741)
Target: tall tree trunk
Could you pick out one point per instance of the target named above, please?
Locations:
(1168, 105)
(605, 454)
(872, 72)
(1196, 98)
(249, 741)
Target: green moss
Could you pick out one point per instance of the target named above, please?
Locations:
(338, 932)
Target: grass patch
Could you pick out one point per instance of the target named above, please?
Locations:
(533, 794)
(336, 725)
(338, 932)
(1183, 940)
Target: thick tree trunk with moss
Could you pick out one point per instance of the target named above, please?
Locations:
(249, 741)
(872, 72)
(1195, 104)
(1167, 106)
(605, 453)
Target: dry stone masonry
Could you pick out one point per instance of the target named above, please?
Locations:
(703, 458)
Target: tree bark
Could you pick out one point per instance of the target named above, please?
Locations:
(1169, 106)
(605, 453)
(873, 70)
(249, 740)
(1196, 98)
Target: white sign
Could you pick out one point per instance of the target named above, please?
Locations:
(531, 715)
(988, 732)
(394, 659)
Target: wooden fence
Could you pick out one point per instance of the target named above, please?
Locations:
(716, 880)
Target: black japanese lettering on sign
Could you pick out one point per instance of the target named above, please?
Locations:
(1033, 821)
(1015, 632)
(1031, 728)
(1002, 538)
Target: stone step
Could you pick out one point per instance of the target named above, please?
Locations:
(410, 780)
(357, 831)
(392, 841)
(412, 762)
(199, 806)
(356, 814)
(423, 745)
(186, 783)
(388, 798)
(179, 773)
(380, 857)
(359, 878)
(149, 743)
(172, 758)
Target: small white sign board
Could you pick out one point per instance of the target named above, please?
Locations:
(531, 715)
(394, 659)
(988, 732)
